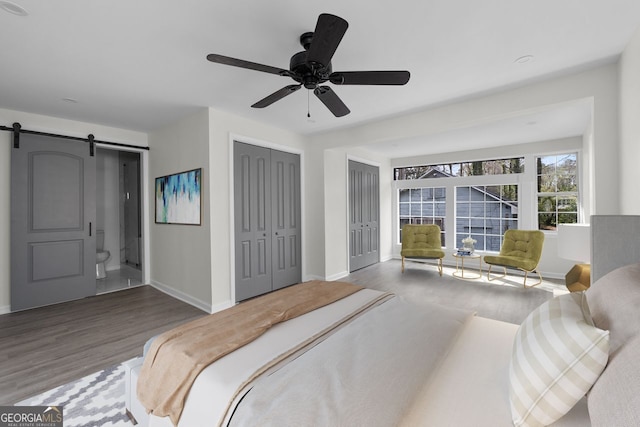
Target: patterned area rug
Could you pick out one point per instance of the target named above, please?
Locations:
(96, 400)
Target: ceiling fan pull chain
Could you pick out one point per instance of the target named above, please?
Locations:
(308, 112)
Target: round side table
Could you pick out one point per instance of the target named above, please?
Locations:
(460, 273)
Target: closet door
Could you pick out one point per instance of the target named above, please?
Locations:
(267, 220)
(285, 208)
(364, 208)
(252, 207)
(53, 209)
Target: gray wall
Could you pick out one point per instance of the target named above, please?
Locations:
(181, 254)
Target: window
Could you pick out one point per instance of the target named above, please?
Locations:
(557, 177)
(485, 212)
(475, 168)
(422, 206)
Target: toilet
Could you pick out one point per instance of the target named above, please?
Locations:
(101, 255)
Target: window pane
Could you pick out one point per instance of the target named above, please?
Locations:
(427, 193)
(421, 209)
(492, 243)
(557, 175)
(462, 209)
(493, 226)
(546, 165)
(493, 210)
(567, 218)
(509, 225)
(546, 204)
(567, 203)
(510, 192)
(547, 221)
(473, 168)
(427, 209)
(462, 194)
(489, 214)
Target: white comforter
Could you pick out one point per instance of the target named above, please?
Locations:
(368, 370)
(365, 374)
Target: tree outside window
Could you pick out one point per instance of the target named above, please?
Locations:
(557, 177)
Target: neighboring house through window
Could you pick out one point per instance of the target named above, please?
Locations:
(483, 198)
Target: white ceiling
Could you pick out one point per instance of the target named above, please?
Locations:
(141, 64)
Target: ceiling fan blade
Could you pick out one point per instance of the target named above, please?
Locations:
(276, 96)
(370, 77)
(331, 101)
(226, 60)
(327, 36)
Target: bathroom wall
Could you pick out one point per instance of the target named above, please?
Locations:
(108, 203)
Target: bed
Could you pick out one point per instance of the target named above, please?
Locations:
(370, 358)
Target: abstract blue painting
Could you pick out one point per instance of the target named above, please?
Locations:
(178, 198)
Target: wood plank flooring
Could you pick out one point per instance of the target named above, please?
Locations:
(46, 347)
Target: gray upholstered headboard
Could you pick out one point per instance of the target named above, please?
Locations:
(615, 242)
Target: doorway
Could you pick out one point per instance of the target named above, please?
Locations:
(118, 218)
(364, 213)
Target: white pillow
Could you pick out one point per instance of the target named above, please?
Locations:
(557, 356)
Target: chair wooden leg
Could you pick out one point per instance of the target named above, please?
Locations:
(495, 277)
(535, 284)
(440, 266)
(402, 264)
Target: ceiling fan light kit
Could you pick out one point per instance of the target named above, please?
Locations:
(312, 67)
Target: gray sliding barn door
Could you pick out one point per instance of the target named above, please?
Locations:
(364, 208)
(267, 220)
(53, 247)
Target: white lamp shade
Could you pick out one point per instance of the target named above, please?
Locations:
(574, 242)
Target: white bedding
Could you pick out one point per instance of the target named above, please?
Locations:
(365, 374)
(471, 387)
(217, 384)
(400, 349)
(463, 384)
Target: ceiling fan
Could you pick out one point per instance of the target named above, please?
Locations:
(311, 68)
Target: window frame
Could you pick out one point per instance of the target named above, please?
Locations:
(482, 237)
(527, 184)
(433, 217)
(578, 193)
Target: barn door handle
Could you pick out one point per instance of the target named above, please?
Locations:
(90, 229)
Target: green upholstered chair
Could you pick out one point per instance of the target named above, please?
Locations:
(422, 241)
(520, 249)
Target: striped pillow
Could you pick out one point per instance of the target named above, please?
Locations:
(557, 356)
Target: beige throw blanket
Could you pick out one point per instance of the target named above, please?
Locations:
(177, 357)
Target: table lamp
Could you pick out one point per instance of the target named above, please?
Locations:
(574, 243)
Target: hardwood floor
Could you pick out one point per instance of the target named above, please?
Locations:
(50, 346)
(46, 347)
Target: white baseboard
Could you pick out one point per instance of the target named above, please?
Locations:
(202, 305)
(221, 306)
(337, 276)
(5, 309)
